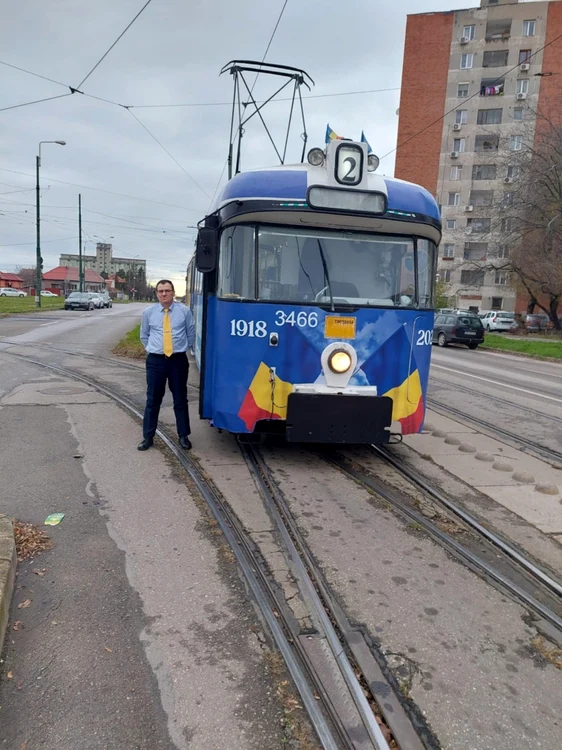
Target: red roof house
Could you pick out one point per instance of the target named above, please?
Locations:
(65, 279)
(11, 279)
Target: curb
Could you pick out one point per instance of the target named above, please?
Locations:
(7, 572)
(521, 354)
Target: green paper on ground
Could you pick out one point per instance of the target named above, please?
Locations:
(54, 519)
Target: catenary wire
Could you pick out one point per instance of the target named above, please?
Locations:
(35, 101)
(464, 101)
(114, 43)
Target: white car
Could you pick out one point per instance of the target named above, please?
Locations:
(8, 291)
(96, 299)
(48, 294)
(498, 321)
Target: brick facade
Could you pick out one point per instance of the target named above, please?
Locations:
(422, 101)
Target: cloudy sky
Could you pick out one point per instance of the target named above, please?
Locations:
(134, 194)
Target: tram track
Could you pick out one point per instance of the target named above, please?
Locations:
(497, 560)
(304, 653)
(517, 441)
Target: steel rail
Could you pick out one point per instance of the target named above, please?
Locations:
(447, 541)
(248, 566)
(540, 450)
(309, 590)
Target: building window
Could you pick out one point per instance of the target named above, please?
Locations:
(496, 58)
(508, 200)
(518, 113)
(473, 277)
(506, 225)
(499, 278)
(489, 116)
(503, 252)
(486, 143)
(497, 303)
(466, 61)
(478, 226)
(445, 275)
(462, 90)
(459, 144)
(522, 85)
(454, 199)
(524, 56)
(484, 172)
(456, 173)
(469, 32)
(460, 116)
(516, 143)
(448, 251)
(513, 172)
(451, 223)
(529, 28)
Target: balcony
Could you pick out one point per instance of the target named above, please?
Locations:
(475, 251)
(478, 226)
(481, 197)
(487, 143)
(498, 31)
(495, 58)
(492, 86)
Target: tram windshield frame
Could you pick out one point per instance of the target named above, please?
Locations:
(325, 268)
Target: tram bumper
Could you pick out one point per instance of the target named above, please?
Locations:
(323, 414)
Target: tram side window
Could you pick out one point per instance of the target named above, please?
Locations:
(237, 263)
(427, 253)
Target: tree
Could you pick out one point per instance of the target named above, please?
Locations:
(29, 276)
(442, 294)
(529, 214)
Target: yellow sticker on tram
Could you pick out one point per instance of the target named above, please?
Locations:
(339, 327)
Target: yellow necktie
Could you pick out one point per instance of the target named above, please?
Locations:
(167, 331)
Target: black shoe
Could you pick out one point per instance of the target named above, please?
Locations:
(185, 443)
(145, 444)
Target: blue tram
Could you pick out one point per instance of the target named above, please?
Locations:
(312, 290)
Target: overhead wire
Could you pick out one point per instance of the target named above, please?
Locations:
(35, 101)
(102, 58)
(464, 101)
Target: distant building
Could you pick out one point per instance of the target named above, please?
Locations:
(11, 280)
(103, 261)
(472, 82)
(65, 279)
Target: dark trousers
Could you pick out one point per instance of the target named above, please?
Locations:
(160, 369)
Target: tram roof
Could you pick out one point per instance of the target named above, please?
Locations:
(290, 182)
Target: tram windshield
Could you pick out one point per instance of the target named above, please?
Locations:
(299, 266)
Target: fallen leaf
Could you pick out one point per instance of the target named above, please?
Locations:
(30, 540)
(109, 651)
(54, 622)
(24, 746)
(39, 572)
(16, 625)
(25, 604)
(9, 675)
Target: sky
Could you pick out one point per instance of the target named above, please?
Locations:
(144, 196)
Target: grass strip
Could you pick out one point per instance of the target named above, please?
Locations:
(551, 349)
(130, 345)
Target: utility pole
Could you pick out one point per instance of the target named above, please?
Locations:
(80, 272)
(38, 259)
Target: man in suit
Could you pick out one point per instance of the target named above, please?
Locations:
(167, 333)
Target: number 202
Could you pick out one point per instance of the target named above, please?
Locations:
(248, 328)
(424, 338)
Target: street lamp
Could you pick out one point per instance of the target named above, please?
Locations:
(39, 259)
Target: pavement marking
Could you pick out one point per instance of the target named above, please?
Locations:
(496, 382)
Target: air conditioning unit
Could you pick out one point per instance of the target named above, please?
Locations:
(507, 180)
(469, 208)
(524, 66)
(457, 126)
(464, 40)
(521, 96)
(454, 154)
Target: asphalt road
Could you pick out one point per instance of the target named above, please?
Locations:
(520, 395)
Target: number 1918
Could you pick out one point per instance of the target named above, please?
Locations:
(251, 328)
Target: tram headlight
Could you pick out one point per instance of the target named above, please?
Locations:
(339, 361)
(372, 163)
(315, 157)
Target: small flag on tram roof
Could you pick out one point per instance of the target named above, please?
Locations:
(364, 140)
(331, 135)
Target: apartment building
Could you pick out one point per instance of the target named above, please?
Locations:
(103, 262)
(474, 79)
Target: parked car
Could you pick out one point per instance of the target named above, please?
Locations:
(458, 328)
(8, 291)
(536, 322)
(107, 301)
(96, 299)
(46, 293)
(78, 301)
(498, 321)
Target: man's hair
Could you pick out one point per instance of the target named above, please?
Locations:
(165, 281)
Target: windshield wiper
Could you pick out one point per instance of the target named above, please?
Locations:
(326, 274)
